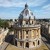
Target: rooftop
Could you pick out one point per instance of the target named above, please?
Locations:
(26, 13)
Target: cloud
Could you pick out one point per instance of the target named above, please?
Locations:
(20, 3)
(46, 7)
(46, 10)
(43, 12)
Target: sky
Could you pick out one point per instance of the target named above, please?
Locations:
(10, 9)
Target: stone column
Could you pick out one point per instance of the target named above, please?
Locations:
(40, 41)
(35, 43)
(35, 33)
(18, 43)
(22, 34)
(24, 45)
(14, 40)
(29, 34)
(39, 33)
(30, 44)
(19, 34)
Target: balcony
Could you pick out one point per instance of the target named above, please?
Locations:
(26, 39)
(21, 26)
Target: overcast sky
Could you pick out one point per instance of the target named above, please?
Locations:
(12, 8)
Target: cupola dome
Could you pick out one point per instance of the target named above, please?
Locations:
(26, 13)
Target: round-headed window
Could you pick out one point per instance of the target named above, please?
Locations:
(38, 42)
(34, 43)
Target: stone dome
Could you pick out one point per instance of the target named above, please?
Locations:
(26, 13)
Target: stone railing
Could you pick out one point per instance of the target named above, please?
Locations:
(27, 26)
(27, 39)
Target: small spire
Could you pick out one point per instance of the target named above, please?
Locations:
(26, 6)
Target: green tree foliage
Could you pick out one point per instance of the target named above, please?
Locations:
(11, 19)
(3, 23)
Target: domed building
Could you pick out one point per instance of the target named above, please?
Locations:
(26, 31)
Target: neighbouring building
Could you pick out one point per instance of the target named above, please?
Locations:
(49, 28)
(44, 28)
(26, 32)
(3, 33)
(11, 23)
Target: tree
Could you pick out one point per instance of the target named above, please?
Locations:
(11, 19)
(6, 24)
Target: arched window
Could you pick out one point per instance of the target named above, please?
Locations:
(20, 43)
(34, 43)
(26, 36)
(26, 22)
(20, 34)
(32, 22)
(15, 43)
(27, 44)
(26, 32)
(38, 42)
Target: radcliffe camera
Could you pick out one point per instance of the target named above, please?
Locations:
(24, 25)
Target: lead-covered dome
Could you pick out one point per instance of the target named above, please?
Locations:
(26, 13)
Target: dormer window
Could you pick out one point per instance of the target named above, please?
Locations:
(26, 12)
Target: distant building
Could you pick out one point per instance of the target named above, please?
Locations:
(11, 23)
(3, 33)
(49, 28)
(44, 28)
(26, 32)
